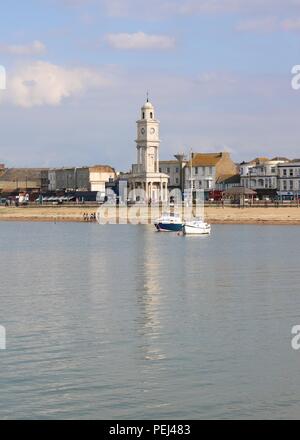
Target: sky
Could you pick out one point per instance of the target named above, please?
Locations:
(218, 72)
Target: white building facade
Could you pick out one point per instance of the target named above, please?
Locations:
(205, 169)
(261, 173)
(99, 176)
(146, 183)
(172, 169)
(200, 177)
(289, 179)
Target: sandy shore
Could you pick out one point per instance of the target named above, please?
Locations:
(214, 215)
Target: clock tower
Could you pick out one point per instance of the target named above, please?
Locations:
(146, 183)
(148, 140)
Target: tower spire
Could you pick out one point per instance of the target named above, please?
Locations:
(147, 95)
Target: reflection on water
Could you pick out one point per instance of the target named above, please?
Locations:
(123, 322)
(149, 294)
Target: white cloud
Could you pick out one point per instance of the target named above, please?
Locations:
(292, 24)
(266, 24)
(156, 8)
(196, 111)
(139, 40)
(35, 48)
(269, 24)
(42, 83)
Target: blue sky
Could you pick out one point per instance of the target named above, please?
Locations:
(218, 73)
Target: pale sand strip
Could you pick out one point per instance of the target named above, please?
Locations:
(227, 215)
(282, 215)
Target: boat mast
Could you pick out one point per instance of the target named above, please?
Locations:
(191, 171)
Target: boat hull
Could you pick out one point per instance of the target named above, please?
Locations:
(169, 227)
(196, 230)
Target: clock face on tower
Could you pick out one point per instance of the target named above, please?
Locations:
(143, 131)
(152, 131)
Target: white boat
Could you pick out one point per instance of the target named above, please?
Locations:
(169, 223)
(196, 227)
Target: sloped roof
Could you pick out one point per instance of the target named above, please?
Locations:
(280, 159)
(13, 174)
(102, 169)
(259, 160)
(172, 162)
(206, 159)
(256, 161)
(240, 190)
(229, 179)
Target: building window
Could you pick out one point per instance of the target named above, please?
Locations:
(160, 170)
(285, 172)
(291, 172)
(177, 180)
(196, 170)
(168, 170)
(143, 115)
(151, 115)
(177, 170)
(273, 170)
(284, 185)
(291, 185)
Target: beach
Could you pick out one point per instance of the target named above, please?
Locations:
(214, 215)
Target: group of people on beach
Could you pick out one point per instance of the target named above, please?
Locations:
(89, 217)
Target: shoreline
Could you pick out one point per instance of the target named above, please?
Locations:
(282, 216)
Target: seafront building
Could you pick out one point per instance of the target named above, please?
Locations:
(175, 169)
(68, 179)
(151, 179)
(261, 174)
(205, 171)
(172, 169)
(289, 178)
(225, 183)
(80, 178)
(275, 178)
(42, 180)
(23, 179)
